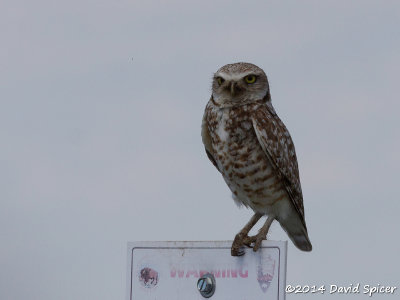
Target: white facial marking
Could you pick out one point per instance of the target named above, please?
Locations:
(233, 77)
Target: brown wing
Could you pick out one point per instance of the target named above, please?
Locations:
(277, 144)
(205, 134)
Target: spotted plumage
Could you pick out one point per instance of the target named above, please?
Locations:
(252, 149)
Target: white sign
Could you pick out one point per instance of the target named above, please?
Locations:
(170, 271)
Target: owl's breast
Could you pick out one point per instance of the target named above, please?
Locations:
(242, 161)
(232, 135)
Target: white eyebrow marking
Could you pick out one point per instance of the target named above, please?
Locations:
(235, 76)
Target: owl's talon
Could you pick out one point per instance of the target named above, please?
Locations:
(237, 245)
(245, 240)
(237, 251)
(241, 252)
(248, 240)
(254, 241)
(258, 242)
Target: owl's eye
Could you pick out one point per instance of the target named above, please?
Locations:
(220, 80)
(250, 78)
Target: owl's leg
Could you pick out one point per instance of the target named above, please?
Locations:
(238, 242)
(261, 235)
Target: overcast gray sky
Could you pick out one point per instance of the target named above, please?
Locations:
(101, 106)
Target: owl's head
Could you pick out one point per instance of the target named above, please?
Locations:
(238, 84)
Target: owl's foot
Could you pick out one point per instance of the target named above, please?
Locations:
(255, 241)
(238, 244)
(242, 240)
(237, 248)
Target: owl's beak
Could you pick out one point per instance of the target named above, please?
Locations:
(234, 88)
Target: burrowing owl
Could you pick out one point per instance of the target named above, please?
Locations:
(252, 149)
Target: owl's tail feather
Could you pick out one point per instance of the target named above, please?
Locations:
(302, 241)
(297, 232)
